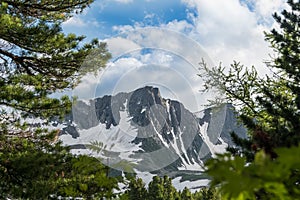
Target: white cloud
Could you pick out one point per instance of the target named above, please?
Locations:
(265, 8)
(181, 26)
(106, 80)
(78, 22)
(229, 31)
(118, 46)
(87, 87)
(120, 29)
(122, 65)
(74, 21)
(157, 58)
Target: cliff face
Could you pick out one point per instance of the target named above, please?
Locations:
(143, 131)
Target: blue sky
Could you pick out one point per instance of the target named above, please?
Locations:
(161, 42)
(103, 16)
(116, 13)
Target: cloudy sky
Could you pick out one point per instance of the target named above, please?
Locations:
(161, 42)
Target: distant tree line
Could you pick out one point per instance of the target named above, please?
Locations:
(161, 188)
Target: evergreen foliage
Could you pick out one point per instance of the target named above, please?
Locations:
(264, 178)
(269, 106)
(38, 169)
(137, 189)
(266, 165)
(186, 194)
(162, 188)
(87, 178)
(36, 60)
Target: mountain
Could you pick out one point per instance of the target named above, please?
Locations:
(144, 132)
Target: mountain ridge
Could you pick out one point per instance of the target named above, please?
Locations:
(159, 135)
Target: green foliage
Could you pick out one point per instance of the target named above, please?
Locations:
(27, 168)
(207, 194)
(266, 165)
(269, 106)
(237, 179)
(137, 189)
(186, 194)
(87, 178)
(169, 190)
(162, 188)
(36, 60)
(35, 168)
(156, 189)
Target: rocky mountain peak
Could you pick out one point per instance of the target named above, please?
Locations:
(154, 133)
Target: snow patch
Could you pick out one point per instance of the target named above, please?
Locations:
(116, 141)
(192, 185)
(199, 114)
(214, 149)
(86, 101)
(143, 110)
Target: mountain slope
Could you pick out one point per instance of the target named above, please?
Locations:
(142, 131)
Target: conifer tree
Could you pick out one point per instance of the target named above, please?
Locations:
(156, 189)
(169, 190)
(266, 165)
(269, 105)
(36, 60)
(137, 189)
(186, 194)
